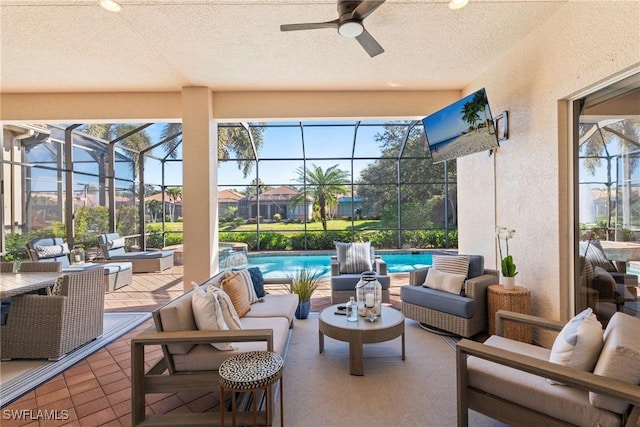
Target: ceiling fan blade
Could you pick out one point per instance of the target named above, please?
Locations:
(369, 44)
(366, 8)
(310, 26)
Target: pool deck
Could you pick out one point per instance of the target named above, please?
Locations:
(150, 291)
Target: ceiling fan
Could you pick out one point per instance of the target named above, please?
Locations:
(349, 24)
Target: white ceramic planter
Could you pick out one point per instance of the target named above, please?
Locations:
(508, 282)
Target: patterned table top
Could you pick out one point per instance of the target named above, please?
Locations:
(253, 369)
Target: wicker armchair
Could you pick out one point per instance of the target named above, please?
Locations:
(7, 267)
(49, 326)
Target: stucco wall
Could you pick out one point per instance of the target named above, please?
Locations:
(579, 46)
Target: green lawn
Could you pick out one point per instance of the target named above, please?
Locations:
(334, 225)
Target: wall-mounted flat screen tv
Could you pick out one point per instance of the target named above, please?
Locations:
(464, 127)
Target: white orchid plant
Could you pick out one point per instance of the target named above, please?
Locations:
(508, 268)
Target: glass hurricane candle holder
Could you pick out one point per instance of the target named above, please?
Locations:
(369, 296)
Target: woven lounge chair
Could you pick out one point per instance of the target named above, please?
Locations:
(50, 326)
(345, 274)
(112, 246)
(54, 250)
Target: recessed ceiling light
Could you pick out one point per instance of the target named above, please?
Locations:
(111, 5)
(457, 4)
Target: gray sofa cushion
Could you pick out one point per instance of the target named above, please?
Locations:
(347, 282)
(438, 300)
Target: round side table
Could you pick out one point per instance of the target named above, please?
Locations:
(518, 300)
(250, 372)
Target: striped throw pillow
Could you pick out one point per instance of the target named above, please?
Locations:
(354, 257)
(248, 283)
(454, 264)
(235, 287)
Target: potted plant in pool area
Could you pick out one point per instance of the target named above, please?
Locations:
(507, 266)
(304, 283)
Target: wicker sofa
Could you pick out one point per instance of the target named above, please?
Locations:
(53, 249)
(464, 315)
(113, 249)
(191, 362)
(50, 326)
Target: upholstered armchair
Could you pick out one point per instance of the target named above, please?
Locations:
(347, 266)
(602, 281)
(528, 385)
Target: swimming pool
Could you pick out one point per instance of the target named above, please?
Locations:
(286, 265)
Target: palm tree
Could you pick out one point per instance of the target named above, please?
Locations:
(172, 133)
(236, 140)
(136, 142)
(480, 101)
(175, 194)
(470, 114)
(323, 185)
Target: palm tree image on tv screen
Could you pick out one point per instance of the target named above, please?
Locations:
(462, 128)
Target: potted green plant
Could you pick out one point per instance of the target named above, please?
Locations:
(507, 266)
(304, 283)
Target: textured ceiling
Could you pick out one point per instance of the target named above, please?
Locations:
(235, 45)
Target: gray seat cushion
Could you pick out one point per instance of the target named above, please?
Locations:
(141, 255)
(348, 282)
(438, 300)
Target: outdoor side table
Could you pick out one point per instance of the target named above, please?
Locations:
(250, 372)
(517, 300)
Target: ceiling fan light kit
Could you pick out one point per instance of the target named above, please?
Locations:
(350, 29)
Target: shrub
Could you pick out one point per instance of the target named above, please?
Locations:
(274, 242)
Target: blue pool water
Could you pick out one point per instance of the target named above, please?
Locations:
(286, 265)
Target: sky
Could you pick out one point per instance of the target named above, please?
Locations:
(321, 143)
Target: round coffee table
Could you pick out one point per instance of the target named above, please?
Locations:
(389, 325)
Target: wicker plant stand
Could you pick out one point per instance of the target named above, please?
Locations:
(517, 300)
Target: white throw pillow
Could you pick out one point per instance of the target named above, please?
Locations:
(442, 281)
(116, 243)
(454, 264)
(51, 251)
(229, 312)
(579, 343)
(208, 314)
(619, 359)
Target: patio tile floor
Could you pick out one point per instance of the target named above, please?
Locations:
(97, 390)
